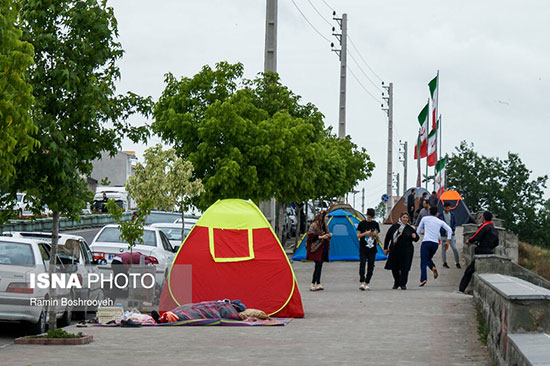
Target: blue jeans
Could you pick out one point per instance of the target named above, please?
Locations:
(427, 251)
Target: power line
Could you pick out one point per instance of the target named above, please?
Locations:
(370, 68)
(328, 6)
(318, 12)
(363, 71)
(362, 86)
(310, 24)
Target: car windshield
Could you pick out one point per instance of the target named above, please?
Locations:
(174, 233)
(16, 254)
(112, 234)
(156, 217)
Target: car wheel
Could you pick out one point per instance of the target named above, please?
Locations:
(40, 326)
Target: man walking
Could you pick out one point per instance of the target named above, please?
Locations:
(425, 211)
(431, 226)
(367, 233)
(487, 238)
(411, 203)
(449, 217)
(433, 199)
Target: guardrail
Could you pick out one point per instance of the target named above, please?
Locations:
(45, 224)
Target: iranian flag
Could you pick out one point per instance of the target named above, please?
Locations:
(434, 92)
(432, 147)
(440, 176)
(423, 121)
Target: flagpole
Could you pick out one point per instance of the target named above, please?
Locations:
(419, 177)
(437, 109)
(427, 145)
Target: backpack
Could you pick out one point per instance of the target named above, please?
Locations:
(492, 237)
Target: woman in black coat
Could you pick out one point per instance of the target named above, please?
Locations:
(398, 245)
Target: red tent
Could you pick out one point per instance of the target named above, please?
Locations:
(233, 253)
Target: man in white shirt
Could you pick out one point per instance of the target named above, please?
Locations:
(430, 226)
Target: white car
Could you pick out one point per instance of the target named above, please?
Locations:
(173, 232)
(107, 244)
(19, 258)
(74, 252)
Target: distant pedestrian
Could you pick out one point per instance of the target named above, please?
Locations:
(318, 246)
(449, 217)
(104, 203)
(411, 202)
(398, 245)
(430, 226)
(487, 239)
(367, 233)
(433, 199)
(425, 211)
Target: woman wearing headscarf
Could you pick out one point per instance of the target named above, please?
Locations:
(318, 245)
(398, 245)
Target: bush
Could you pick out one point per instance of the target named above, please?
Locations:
(535, 259)
(61, 333)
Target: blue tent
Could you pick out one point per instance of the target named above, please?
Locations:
(344, 245)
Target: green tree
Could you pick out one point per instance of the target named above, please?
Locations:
(502, 186)
(165, 180)
(16, 125)
(76, 109)
(254, 139)
(130, 231)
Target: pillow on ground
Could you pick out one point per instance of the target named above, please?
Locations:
(253, 313)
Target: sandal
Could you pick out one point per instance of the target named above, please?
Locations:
(320, 288)
(423, 283)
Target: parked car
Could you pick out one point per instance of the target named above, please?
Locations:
(293, 221)
(73, 250)
(107, 244)
(19, 258)
(161, 216)
(189, 219)
(173, 232)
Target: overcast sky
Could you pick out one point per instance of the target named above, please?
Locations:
(493, 58)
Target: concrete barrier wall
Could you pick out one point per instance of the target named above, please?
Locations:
(45, 224)
(507, 247)
(514, 310)
(504, 265)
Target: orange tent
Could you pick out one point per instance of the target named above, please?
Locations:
(462, 214)
(233, 253)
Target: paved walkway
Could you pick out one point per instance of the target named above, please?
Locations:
(343, 326)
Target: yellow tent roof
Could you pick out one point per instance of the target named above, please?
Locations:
(233, 214)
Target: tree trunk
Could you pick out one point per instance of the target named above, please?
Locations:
(282, 233)
(298, 225)
(52, 323)
(182, 206)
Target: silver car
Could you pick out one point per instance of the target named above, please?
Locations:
(73, 251)
(19, 258)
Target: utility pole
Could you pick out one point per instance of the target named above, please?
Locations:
(397, 184)
(363, 201)
(342, 54)
(270, 58)
(389, 112)
(270, 64)
(403, 159)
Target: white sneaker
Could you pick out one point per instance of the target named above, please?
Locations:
(362, 287)
(367, 287)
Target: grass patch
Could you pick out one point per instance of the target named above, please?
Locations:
(535, 259)
(61, 333)
(482, 328)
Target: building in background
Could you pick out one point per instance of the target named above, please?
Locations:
(116, 169)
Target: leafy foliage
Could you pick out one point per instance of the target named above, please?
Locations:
(503, 187)
(253, 139)
(165, 180)
(130, 231)
(16, 56)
